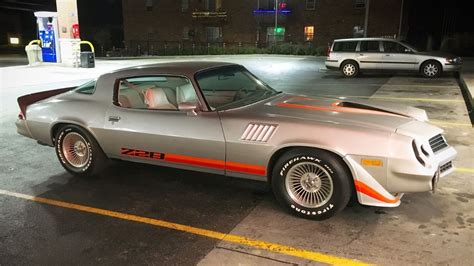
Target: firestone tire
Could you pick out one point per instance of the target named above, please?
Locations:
(312, 184)
(78, 152)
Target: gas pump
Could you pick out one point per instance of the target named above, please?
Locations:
(48, 34)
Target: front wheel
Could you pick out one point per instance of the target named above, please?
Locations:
(311, 183)
(78, 152)
(431, 69)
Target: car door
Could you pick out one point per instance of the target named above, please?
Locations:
(147, 123)
(397, 57)
(369, 54)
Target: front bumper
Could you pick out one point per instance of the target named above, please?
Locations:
(452, 67)
(407, 167)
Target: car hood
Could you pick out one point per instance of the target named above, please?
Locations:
(351, 112)
(437, 54)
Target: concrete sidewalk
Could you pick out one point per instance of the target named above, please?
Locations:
(466, 82)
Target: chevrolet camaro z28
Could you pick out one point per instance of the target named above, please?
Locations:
(317, 153)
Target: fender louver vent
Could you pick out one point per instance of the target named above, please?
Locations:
(258, 132)
(438, 143)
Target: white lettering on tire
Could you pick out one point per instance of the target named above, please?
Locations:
(307, 212)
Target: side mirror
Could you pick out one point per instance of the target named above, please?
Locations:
(190, 108)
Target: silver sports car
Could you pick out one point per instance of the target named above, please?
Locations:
(317, 153)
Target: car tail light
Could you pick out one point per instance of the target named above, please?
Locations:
(21, 116)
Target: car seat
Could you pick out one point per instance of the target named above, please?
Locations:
(157, 98)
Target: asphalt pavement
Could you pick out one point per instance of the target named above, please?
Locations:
(425, 229)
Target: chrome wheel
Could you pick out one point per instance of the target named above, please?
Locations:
(431, 70)
(309, 184)
(75, 150)
(349, 70)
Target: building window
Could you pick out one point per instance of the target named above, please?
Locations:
(185, 33)
(149, 5)
(275, 35)
(213, 34)
(213, 5)
(184, 5)
(308, 33)
(359, 4)
(310, 4)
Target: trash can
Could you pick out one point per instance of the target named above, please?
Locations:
(34, 53)
(87, 59)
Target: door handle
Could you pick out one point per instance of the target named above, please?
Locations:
(387, 55)
(114, 118)
(361, 54)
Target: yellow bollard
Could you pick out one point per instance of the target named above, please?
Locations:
(90, 45)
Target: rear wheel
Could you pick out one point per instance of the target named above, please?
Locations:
(78, 152)
(350, 69)
(311, 183)
(431, 69)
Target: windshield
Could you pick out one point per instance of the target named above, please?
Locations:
(231, 87)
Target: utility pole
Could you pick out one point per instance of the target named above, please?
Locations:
(366, 22)
(276, 22)
(401, 20)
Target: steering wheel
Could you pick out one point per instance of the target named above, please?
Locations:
(239, 94)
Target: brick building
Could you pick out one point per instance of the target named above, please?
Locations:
(253, 21)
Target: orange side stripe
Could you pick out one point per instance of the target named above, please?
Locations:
(251, 169)
(334, 108)
(175, 158)
(216, 164)
(363, 188)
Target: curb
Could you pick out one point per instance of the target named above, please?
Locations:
(467, 96)
(105, 58)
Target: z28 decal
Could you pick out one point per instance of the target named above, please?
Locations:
(196, 161)
(143, 154)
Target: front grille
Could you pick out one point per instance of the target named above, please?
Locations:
(438, 143)
(445, 167)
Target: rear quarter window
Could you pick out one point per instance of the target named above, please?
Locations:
(87, 88)
(349, 46)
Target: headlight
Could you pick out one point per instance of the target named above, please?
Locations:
(456, 60)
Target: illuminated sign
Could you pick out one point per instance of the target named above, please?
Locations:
(14, 40)
(271, 11)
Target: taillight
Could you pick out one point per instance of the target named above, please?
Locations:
(21, 116)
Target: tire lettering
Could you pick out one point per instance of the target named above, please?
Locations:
(307, 212)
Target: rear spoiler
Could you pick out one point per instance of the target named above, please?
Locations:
(28, 99)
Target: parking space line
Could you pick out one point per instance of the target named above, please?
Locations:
(398, 98)
(449, 124)
(241, 240)
(465, 170)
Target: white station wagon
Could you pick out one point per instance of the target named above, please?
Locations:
(351, 56)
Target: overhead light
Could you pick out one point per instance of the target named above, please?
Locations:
(14, 40)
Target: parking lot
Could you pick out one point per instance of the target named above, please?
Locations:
(144, 214)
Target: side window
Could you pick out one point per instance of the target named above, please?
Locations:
(310, 4)
(155, 92)
(345, 46)
(369, 46)
(393, 47)
(87, 88)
